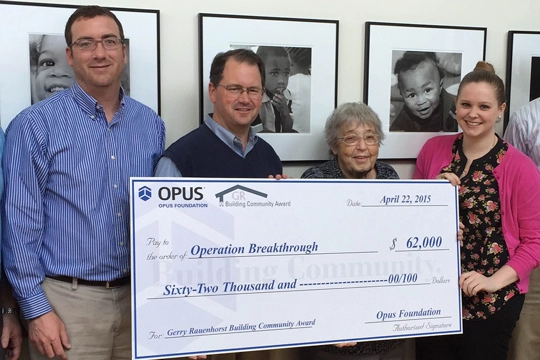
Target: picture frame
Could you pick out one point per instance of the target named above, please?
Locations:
(522, 66)
(21, 22)
(220, 33)
(432, 60)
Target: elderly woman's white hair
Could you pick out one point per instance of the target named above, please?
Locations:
(350, 113)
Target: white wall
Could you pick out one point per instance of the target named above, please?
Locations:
(179, 41)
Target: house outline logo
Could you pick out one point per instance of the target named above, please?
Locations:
(221, 194)
(145, 193)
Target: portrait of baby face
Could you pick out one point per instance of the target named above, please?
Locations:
(50, 70)
(421, 88)
(422, 91)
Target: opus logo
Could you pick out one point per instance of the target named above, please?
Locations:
(145, 193)
(186, 193)
(239, 192)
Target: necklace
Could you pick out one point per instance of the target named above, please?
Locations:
(494, 142)
(466, 170)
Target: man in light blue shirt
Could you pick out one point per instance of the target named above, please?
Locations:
(11, 338)
(225, 145)
(67, 163)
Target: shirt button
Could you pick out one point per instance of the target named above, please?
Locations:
(125, 270)
(115, 186)
(121, 244)
(113, 157)
(119, 214)
(92, 117)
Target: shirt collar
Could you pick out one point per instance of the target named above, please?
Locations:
(87, 103)
(229, 138)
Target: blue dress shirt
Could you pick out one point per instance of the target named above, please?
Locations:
(67, 176)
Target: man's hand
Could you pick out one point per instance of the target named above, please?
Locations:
(11, 336)
(49, 336)
(279, 177)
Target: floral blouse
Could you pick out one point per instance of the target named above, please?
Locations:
(484, 248)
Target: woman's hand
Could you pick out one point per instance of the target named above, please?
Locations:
(460, 233)
(453, 178)
(472, 282)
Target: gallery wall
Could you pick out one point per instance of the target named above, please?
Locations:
(179, 42)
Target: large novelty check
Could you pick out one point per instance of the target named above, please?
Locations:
(236, 265)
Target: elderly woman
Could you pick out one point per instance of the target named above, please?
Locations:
(354, 133)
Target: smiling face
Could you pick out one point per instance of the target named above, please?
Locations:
(278, 69)
(421, 88)
(357, 161)
(477, 109)
(99, 69)
(53, 72)
(236, 113)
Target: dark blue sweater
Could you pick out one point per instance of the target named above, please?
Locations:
(202, 154)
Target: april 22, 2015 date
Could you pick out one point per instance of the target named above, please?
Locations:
(405, 199)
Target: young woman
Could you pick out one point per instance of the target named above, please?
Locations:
(499, 193)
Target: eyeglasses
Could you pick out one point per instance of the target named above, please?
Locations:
(110, 43)
(237, 91)
(353, 139)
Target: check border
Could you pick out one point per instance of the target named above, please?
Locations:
(136, 183)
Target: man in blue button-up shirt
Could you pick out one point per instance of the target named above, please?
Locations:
(10, 327)
(67, 163)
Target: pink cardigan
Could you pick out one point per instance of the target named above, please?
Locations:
(519, 191)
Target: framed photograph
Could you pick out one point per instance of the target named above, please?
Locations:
(522, 70)
(412, 73)
(302, 54)
(36, 67)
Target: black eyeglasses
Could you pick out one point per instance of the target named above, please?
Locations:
(110, 43)
(237, 91)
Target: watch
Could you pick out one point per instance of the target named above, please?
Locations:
(10, 311)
